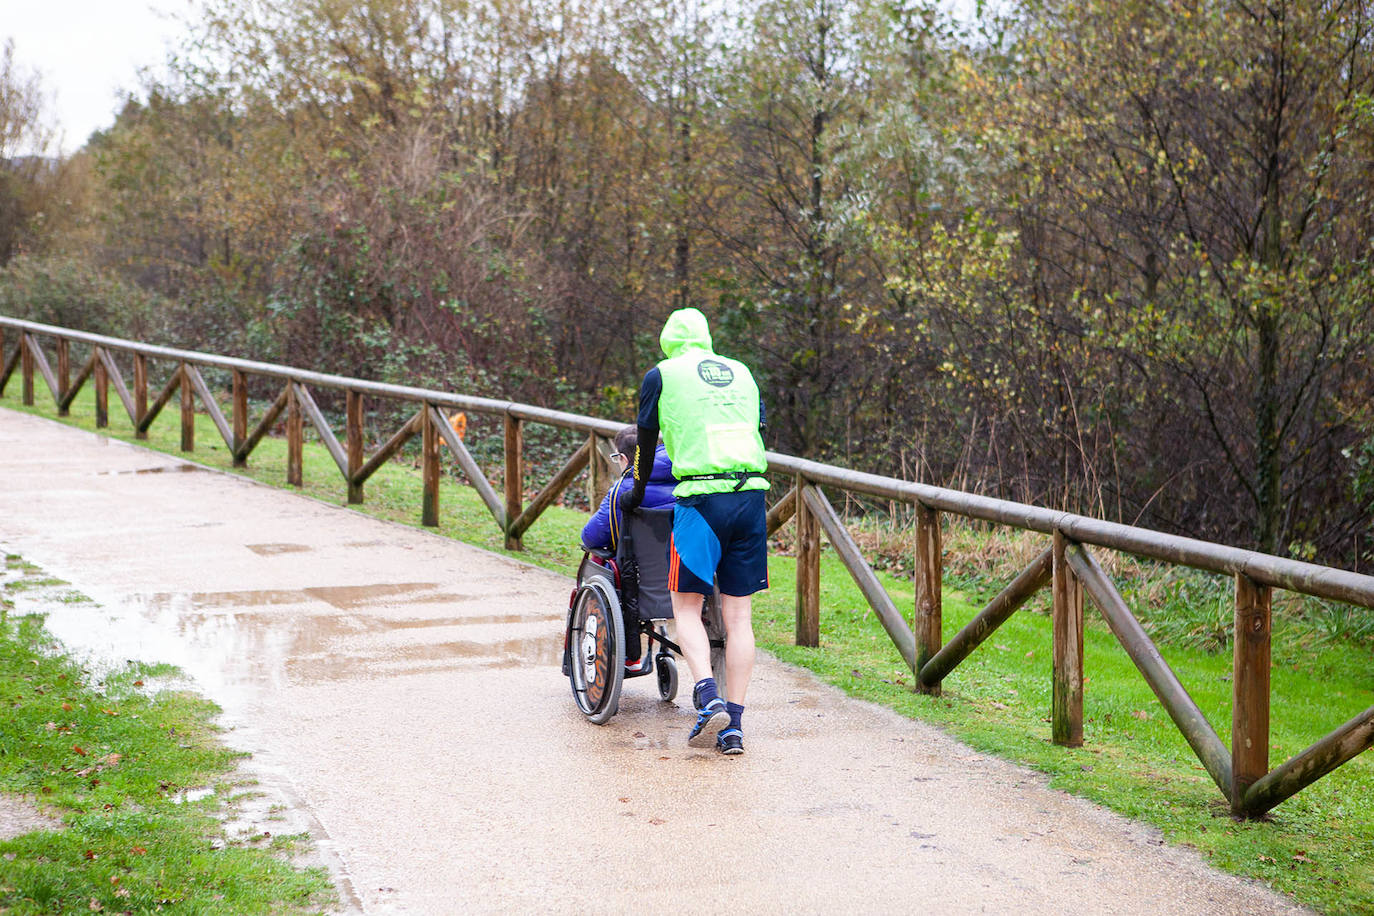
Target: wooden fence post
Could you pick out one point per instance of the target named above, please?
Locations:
(240, 412)
(429, 468)
(929, 607)
(515, 478)
(102, 392)
(140, 394)
(295, 438)
(64, 375)
(188, 411)
(1250, 689)
(26, 367)
(353, 433)
(1067, 705)
(808, 571)
(598, 474)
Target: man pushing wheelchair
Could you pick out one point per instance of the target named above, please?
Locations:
(708, 409)
(696, 551)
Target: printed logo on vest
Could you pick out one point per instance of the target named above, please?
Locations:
(715, 374)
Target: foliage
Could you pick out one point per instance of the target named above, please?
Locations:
(64, 291)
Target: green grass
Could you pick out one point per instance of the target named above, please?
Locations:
(110, 759)
(1315, 846)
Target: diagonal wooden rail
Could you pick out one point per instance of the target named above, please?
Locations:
(1066, 566)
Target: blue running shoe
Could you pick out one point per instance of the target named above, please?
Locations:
(730, 742)
(710, 721)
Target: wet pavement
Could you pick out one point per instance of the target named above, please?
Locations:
(400, 692)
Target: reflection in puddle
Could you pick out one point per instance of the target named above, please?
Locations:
(271, 550)
(272, 638)
(546, 649)
(192, 795)
(161, 469)
(343, 597)
(350, 597)
(159, 601)
(242, 644)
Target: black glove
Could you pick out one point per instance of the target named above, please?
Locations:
(631, 502)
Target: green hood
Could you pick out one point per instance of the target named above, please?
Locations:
(685, 329)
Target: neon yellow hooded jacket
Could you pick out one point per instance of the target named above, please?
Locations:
(708, 410)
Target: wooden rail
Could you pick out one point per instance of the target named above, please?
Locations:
(1066, 566)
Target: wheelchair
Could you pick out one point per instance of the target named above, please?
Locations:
(621, 599)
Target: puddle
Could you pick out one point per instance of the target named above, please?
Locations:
(161, 469)
(179, 601)
(238, 643)
(351, 597)
(186, 796)
(427, 658)
(342, 597)
(271, 550)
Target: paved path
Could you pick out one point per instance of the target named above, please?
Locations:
(400, 690)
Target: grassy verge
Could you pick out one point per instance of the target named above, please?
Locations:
(1314, 846)
(113, 760)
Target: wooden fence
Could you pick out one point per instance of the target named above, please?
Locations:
(1067, 565)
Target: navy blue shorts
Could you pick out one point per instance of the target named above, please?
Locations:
(738, 523)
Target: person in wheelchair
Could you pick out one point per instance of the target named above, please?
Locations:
(602, 531)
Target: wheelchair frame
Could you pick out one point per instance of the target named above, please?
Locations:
(594, 645)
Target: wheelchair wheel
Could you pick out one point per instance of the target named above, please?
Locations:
(667, 677)
(597, 649)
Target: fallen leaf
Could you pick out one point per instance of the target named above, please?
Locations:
(96, 906)
(79, 750)
(109, 712)
(1141, 714)
(622, 799)
(657, 820)
(111, 759)
(138, 683)
(639, 734)
(90, 855)
(1263, 858)
(66, 707)
(138, 850)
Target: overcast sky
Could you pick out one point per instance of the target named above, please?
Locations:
(88, 53)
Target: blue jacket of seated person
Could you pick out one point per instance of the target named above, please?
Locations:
(604, 528)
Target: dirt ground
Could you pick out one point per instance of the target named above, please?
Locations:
(401, 693)
(19, 816)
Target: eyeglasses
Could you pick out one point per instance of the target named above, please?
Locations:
(615, 455)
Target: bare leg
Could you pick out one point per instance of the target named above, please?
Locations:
(691, 634)
(738, 617)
